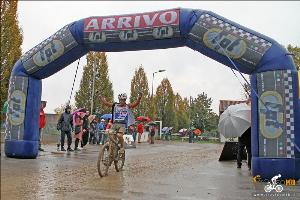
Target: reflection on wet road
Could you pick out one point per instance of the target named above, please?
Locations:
(170, 170)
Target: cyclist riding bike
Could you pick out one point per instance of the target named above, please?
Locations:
(274, 179)
(122, 116)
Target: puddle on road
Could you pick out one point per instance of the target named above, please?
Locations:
(162, 172)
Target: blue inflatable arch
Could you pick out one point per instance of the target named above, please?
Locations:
(275, 98)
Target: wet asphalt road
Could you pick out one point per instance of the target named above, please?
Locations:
(165, 170)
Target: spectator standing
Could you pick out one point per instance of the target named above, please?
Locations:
(101, 129)
(42, 123)
(78, 122)
(152, 134)
(132, 131)
(85, 126)
(65, 125)
(93, 131)
(140, 128)
(191, 134)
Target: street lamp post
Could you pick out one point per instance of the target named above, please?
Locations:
(161, 70)
(93, 86)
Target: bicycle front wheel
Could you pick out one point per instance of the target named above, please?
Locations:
(119, 163)
(103, 160)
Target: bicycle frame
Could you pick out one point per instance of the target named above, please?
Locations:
(112, 148)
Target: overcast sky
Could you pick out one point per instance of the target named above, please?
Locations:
(189, 72)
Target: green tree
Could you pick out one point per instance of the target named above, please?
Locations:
(139, 83)
(165, 104)
(82, 96)
(212, 122)
(181, 108)
(103, 87)
(296, 55)
(201, 112)
(11, 41)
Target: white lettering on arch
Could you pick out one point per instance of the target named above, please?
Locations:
(92, 24)
(163, 17)
(107, 23)
(123, 22)
(148, 21)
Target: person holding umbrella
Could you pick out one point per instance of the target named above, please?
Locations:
(235, 121)
(122, 116)
(244, 141)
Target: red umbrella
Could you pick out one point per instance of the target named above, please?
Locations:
(143, 118)
(139, 118)
(147, 119)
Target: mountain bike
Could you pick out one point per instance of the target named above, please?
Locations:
(109, 153)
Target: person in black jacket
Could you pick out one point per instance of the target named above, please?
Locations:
(85, 128)
(65, 125)
(244, 141)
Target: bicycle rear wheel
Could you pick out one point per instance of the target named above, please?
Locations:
(103, 160)
(120, 162)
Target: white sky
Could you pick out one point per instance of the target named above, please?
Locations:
(189, 72)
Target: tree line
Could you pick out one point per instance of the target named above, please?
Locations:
(10, 41)
(171, 108)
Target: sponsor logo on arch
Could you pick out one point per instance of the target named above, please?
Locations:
(16, 112)
(221, 41)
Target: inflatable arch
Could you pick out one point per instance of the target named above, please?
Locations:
(274, 79)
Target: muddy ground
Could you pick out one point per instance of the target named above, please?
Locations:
(165, 170)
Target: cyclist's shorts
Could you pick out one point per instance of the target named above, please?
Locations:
(117, 125)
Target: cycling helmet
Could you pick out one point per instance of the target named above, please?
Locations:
(122, 96)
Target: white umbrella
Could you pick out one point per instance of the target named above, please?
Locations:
(165, 128)
(235, 120)
(182, 130)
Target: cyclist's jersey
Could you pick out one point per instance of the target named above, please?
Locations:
(123, 115)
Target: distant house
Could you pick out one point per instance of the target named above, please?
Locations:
(224, 104)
